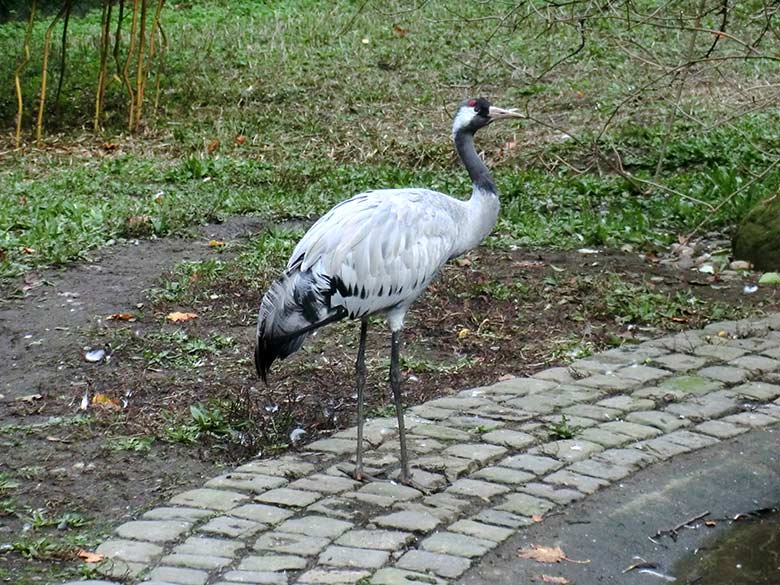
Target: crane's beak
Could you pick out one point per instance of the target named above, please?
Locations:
(495, 113)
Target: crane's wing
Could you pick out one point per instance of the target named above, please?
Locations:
(381, 249)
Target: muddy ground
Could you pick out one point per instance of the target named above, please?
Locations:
(85, 445)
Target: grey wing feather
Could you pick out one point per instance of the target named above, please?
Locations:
(383, 246)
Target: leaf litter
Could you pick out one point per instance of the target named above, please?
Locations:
(547, 554)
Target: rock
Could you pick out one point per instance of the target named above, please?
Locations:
(757, 238)
(740, 265)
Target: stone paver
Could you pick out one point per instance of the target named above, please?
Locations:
(376, 539)
(333, 576)
(291, 543)
(153, 530)
(343, 556)
(316, 526)
(482, 458)
(210, 498)
(440, 564)
(457, 544)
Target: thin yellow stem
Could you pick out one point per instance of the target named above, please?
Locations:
(18, 72)
(42, 101)
(139, 72)
(126, 68)
(104, 42)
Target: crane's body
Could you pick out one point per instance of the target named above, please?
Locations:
(376, 253)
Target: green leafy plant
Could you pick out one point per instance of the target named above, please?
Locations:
(563, 429)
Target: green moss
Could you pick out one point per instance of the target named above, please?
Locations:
(757, 238)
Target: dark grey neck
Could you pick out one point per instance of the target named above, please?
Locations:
(479, 173)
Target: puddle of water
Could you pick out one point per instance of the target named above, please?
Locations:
(746, 553)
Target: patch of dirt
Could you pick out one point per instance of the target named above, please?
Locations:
(491, 314)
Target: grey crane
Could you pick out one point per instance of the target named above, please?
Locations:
(376, 253)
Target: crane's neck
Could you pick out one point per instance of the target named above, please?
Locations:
(478, 172)
(482, 207)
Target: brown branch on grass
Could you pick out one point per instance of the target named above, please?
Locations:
(724, 10)
(574, 53)
(672, 117)
(140, 73)
(18, 72)
(105, 41)
(126, 68)
(118, 38)
(617, 166)
(66, 20)
(163, 51)
(44, 71)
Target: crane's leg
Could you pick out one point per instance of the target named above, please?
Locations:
(395, 384)
(360, 375)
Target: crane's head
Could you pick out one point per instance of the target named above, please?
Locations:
(473, 114)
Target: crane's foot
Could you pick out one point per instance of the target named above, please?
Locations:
(406, 479)
(358, 474)
(364, 477)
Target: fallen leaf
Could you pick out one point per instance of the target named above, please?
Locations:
(546, 554)
(542, 554)
(239, 139)
(464, 333)
(216, 244)
(401, 32)
(213, 145)
(106, 401)
(462, 262)
(530, 264)
(110, 146)
(177, 316)
(89, 557)
(537, 517)
(710, 523)
(550, 579)
(769, 278)
(121, 317)
(27, 250)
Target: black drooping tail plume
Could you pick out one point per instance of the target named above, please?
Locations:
(293, 307)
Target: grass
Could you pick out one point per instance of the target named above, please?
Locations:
(179, 349)
(311, 104)
(562, 429)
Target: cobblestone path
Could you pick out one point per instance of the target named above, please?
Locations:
(484, 456)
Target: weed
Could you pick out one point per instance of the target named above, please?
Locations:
(495, 290)
(8, 507)
(186, 278)
(182, 350)
(570, 348)
(180, 433)
(31, 472)
(208, 420)
(562, 429)
(69, 520)
(420, 365)
(7, 483)
(38, 519)
(135, 444)
(386, 411)
(40, 548)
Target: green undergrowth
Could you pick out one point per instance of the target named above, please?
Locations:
(311, 103)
